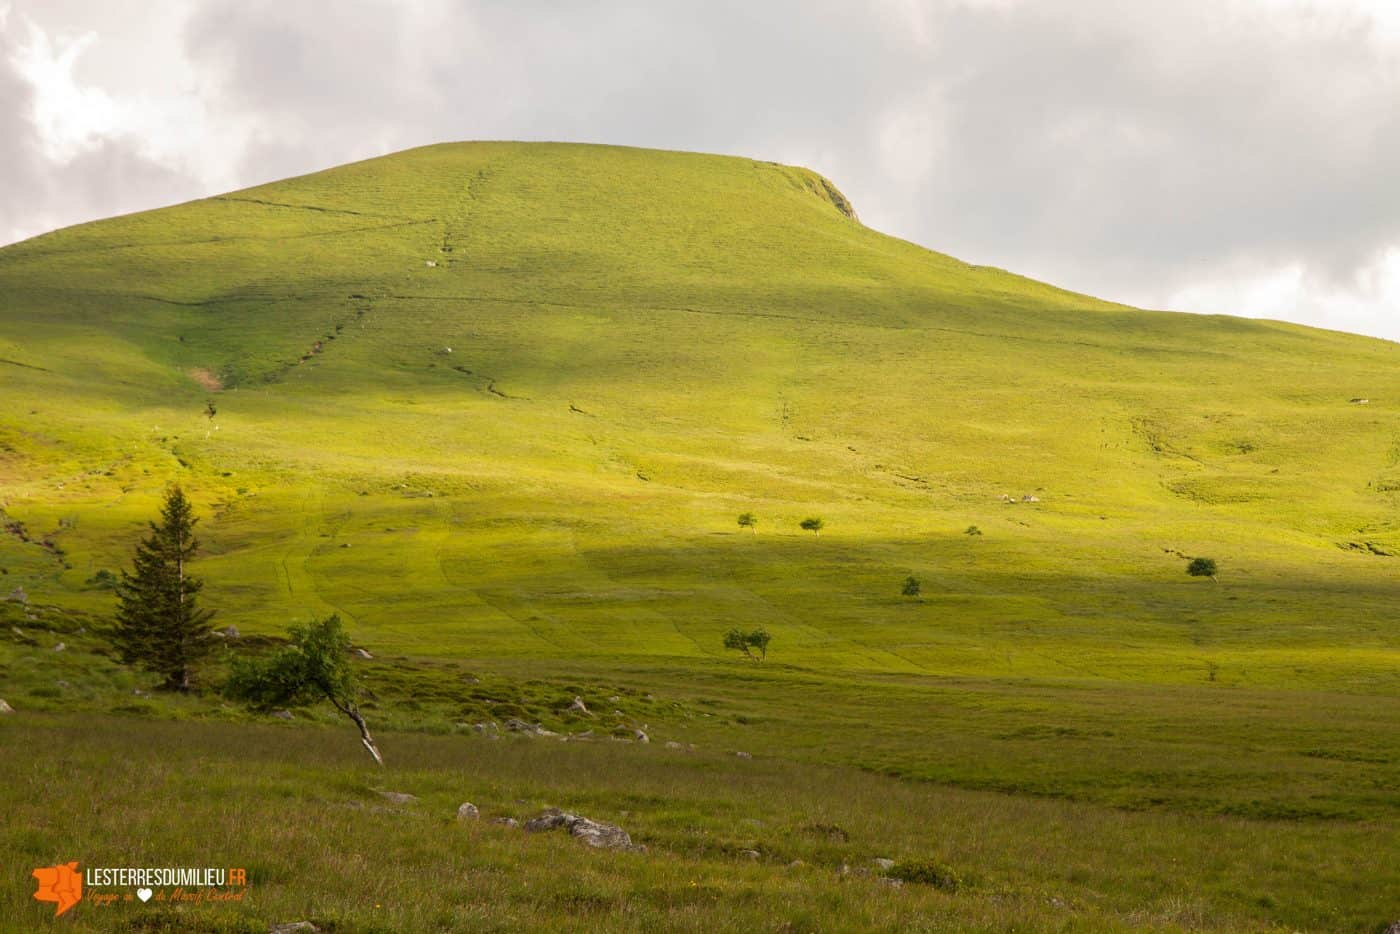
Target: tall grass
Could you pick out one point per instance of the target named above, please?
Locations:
(299, 807)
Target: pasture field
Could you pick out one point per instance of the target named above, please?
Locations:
(1196, 832)
(499, 405)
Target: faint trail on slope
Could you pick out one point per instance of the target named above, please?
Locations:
(312, 207)
(523, 623)
(740, 315)
(666, 619)
(299, 581)
(161, 244)
(444, 515)
(333, 526)
(27, 366)
(455, 223)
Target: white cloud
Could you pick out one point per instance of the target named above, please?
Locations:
(71, 150)
(910, 139)
(1367, 301)
(69, 118)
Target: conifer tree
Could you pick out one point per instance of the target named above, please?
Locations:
(160, 625)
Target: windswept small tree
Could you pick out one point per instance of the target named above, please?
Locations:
(160, 625)
(814, 525)
(749, 642)
(1202, 567)
(759, 639)
(314, 666)
(748, 520)
(912, 587)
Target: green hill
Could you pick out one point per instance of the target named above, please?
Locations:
(500, 405)
(508, 399)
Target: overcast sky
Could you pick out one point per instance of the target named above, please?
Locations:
(1238, 156)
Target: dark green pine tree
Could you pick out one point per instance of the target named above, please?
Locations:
(160, 625)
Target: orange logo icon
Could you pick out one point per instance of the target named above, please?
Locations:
(62, 884)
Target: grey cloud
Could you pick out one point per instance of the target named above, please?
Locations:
(113, 177)
(21, 174)
(1148, 150)
(788, 81)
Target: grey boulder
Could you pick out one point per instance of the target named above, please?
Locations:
(597, 834)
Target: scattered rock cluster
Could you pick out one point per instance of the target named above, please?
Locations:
(492, 729)
(594, 833)
(529, 729)
(605, 836)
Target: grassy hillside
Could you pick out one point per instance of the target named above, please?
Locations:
(643, 345)
(503, 402)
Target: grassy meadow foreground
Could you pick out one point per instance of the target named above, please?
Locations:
(303, 813)
(1172, 831)
(499, 406)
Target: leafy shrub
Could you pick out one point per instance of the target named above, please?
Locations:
(747, 642)
(1201, 567)
(103, 580)
(927, 872)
